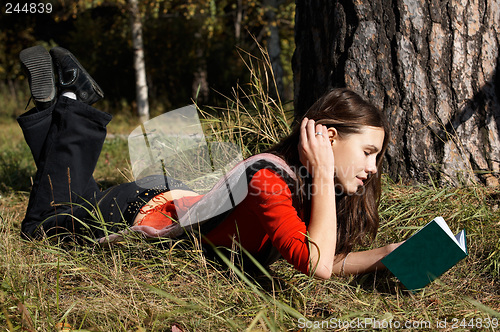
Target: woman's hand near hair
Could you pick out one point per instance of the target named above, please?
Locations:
(316, 154)
(315, 151)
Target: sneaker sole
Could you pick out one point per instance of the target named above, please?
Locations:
(38, 63)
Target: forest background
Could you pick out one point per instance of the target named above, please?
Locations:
(191, 48)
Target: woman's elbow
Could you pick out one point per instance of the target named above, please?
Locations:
(322, 272)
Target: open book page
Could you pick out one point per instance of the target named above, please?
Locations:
(459, 238)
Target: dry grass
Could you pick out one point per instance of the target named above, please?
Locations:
(137, 285)
(254, 117)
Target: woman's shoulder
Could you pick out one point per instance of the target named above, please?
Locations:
(267, 182)
(274, 166)
(266, 157)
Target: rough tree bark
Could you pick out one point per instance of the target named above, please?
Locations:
(139, 63)
(430, 65)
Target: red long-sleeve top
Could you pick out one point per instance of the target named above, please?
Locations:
(265, 217)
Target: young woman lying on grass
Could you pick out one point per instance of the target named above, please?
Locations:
(310, 199)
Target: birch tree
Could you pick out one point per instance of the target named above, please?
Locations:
(139, 63)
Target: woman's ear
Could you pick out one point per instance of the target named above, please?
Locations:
(333, 135)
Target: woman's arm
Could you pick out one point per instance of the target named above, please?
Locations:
(322, 228)
(362, 261)
(316, 155)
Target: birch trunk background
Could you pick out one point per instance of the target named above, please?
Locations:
(430, 65)
(200, 86)
(273, 44)
(139, 63)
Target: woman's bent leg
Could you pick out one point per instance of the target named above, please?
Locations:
(66, 162)
(35, 126)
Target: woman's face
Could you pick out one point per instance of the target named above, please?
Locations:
(356, 156)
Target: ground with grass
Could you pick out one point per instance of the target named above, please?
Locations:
(137, 285)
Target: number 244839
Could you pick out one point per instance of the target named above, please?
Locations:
(28, 8)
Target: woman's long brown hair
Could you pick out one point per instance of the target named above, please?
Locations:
(357, 215)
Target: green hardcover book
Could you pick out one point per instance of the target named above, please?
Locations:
(426, 255)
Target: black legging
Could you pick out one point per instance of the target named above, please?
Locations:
(66, 141)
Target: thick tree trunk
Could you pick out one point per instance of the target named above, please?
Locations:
(430, 65)
(139, 63)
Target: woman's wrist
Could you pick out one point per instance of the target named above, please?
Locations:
(323, 172)
(391, 247)
(323, 185)
(323, 176)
